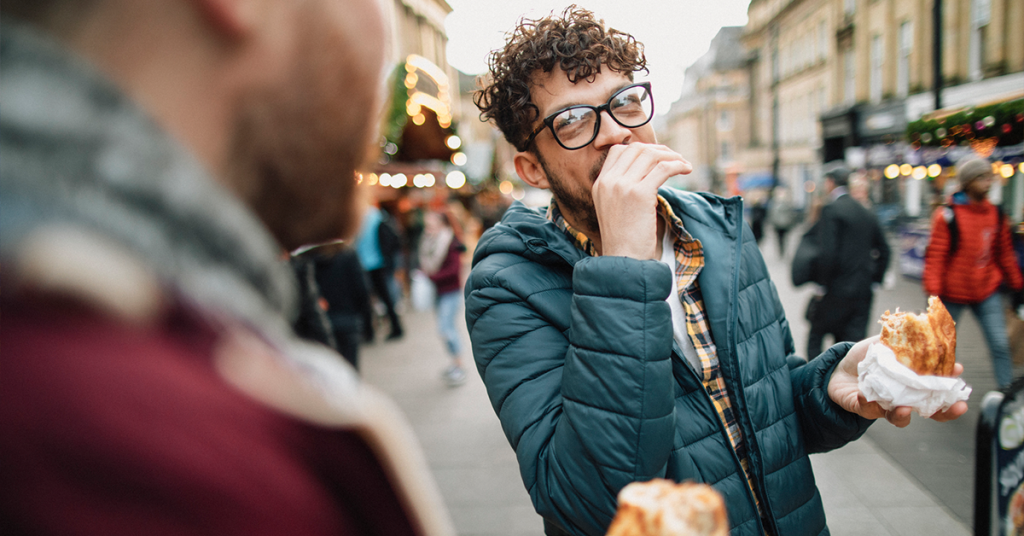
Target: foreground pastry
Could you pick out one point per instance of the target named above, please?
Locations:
(924, 343)
(663, 508)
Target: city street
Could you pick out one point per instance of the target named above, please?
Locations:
(916, 481)
(939, 456)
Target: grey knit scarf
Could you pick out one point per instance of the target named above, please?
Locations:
(74, 150)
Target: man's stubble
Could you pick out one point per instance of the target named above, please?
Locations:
(575, 200)
(296, 147)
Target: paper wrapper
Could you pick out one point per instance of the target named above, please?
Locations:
(883, 379)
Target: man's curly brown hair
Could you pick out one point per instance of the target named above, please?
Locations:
(576, 43)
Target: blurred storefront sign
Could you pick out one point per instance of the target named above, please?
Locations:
(999, 463)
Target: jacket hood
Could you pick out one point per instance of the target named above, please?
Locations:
(962, 200)
(527, 232)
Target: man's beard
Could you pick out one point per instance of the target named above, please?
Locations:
(296, 147)
(574, 199)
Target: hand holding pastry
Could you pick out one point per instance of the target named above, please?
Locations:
(910, 367)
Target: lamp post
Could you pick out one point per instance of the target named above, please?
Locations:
(937, 52)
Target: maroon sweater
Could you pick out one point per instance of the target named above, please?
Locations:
(114, 428)
(448, 277)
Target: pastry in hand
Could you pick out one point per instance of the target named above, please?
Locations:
(924, 343)
(661, 507)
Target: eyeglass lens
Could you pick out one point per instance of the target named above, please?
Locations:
(577, 126)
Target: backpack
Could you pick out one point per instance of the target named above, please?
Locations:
(949, 215)
(805, 266)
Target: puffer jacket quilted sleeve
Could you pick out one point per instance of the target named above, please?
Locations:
(578, 359)
(582, 402)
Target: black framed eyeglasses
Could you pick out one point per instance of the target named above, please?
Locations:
(576, 126)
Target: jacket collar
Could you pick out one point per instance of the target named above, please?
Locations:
(961, 199)
(526, 231)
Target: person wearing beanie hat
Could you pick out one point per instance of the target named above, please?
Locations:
(853, 256)
(970, 257)
(973, 169)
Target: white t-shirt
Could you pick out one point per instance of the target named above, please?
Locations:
(682, 338)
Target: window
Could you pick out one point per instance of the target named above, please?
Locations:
(725, 120)
(906, 41)
(725, 153)
(849, 77)
(981, 14)
(877, 59)
(822, 107)
(775, 64)
(822, 41)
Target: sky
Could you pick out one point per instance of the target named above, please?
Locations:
(674, 32)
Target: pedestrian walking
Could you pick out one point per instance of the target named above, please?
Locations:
(159, 158)
(346, 295)
(853, 256)
(379, 264)
(311, 322)
(782, 216)
(758, 213)
(440, 257)
(619, 343)
(970, 256)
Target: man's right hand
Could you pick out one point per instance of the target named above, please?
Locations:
(625, 197)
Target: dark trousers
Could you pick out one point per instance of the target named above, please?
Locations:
(348, 345)
(379, 280)
(844, 317)
(782, 241)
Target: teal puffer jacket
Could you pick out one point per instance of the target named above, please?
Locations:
(580, 366)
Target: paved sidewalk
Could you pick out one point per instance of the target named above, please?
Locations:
(864, 491)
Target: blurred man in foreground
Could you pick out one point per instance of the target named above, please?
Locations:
(157, 158)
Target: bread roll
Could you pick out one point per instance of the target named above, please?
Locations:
(664, 508)
(924, 343)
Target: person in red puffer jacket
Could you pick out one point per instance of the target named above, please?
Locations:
(970, 256)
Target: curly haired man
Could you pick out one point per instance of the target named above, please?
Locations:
(630, 331)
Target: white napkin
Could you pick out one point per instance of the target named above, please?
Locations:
(883, 379)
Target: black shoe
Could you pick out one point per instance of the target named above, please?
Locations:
(395, 335)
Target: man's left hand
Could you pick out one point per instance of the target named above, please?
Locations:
(843, 390)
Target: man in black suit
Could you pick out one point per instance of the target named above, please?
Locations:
(853, 257)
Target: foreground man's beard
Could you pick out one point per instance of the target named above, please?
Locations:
(296, 147)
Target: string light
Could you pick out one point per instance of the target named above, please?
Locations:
(455, 180)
